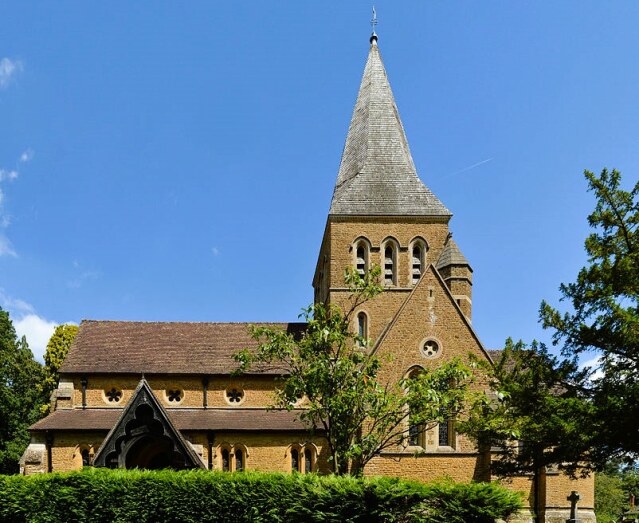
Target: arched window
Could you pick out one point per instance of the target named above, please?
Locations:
(390, 264)
(226, 460)
(361, 257)
(308, 461)
(86, 457)
(418, 259)
(295, 460)
(416, 431)
(239, 460)
(362, 327)
(446, 432)
(417, 263)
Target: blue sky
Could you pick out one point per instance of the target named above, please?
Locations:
(166, 161)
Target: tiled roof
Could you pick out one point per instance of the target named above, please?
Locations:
(377, 175)
(451, 255)
(160, 347)
(240, 419)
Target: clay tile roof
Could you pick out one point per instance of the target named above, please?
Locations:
(377, 175)
(240, 419)
(160, 347)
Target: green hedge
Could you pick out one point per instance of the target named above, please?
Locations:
(100, 495)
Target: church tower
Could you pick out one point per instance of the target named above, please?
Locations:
(382, 213)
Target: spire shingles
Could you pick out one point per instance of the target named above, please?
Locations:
(377, 175)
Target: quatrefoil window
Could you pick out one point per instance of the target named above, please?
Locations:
(174, 395)
(234, 395)
(430, 349)
(113, 396)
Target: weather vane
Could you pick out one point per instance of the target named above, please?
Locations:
(373, 24)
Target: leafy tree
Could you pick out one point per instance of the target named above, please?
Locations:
(20, 394)
(335, 371)
(604, 317)
(534, 415)
(57, 350)
(610, 499)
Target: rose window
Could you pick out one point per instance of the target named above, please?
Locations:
(114, 395)
(430, 348)
(174, 395)
(234, 395)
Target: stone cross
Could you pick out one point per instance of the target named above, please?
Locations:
(573, 498)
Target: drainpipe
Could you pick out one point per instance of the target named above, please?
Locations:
(84, 381)
(49, 445)
(205, 390)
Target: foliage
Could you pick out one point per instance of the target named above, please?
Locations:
(101, 495)
(20, 396)
(337, 372)
(539, 402)
(57, 350)
(604, 317)
(610, 499)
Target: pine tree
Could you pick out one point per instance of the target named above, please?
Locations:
(20, 394)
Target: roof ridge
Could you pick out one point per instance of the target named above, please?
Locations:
(85, 320)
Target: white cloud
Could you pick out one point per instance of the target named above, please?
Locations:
(37, 330)
(77, 282)
(6, 248)
(14, 305)
(8, 70)
(26, 156)
(27, 322)
(8, 175)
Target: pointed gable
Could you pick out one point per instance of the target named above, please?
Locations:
(144, 428)
(377, 175)
(428, 312)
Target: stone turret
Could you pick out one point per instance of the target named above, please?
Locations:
(458, 275)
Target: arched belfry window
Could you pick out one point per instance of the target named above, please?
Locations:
(418, 260)
(362, 327)
(361, 257)
(390, 263)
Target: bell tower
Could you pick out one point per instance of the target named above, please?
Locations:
(382, 213)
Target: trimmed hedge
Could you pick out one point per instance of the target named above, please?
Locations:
(101, 495)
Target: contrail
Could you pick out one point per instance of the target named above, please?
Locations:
(470, 167)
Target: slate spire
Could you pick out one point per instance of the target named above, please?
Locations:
(377, 175)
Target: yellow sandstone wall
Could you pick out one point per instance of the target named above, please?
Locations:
(258, 390)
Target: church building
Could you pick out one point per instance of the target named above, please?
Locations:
(163, 394)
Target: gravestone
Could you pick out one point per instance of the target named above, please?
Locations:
(573, 498)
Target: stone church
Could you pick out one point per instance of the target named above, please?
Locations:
(162, 394)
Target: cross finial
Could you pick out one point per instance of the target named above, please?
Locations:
(373, 25)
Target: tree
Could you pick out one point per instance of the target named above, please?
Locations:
(334, 369)
(57, 350)
(610, 499)
(535, 414)
(20, 394)
(604, 317)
